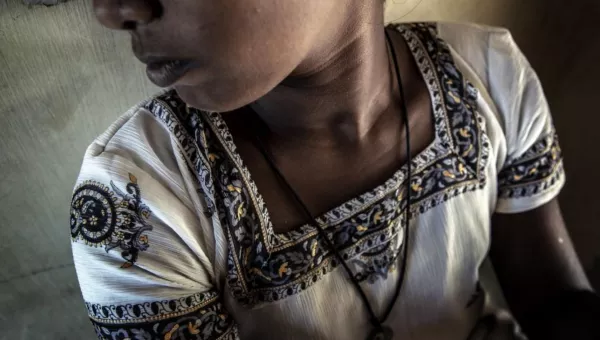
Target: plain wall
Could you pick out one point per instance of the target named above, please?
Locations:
(64, 79)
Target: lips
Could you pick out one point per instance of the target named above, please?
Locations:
(166, 72)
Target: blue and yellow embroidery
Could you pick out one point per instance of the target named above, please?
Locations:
(111, 218)
(199, 316)
(537, 169)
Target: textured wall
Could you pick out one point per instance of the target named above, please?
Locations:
(64, 79)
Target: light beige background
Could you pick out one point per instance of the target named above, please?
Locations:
(64, 79)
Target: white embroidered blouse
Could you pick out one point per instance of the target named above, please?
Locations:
(172, 239)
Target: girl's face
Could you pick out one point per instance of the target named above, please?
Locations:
(222, 54)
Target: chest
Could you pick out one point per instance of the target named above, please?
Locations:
(446, 251)
(325, 178)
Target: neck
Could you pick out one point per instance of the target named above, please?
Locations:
(338, 93)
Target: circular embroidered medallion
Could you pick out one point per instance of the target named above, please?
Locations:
(93, 214)
(111, 217)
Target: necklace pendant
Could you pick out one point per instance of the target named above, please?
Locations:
(381, 333)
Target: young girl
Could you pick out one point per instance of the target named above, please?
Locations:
(312, 174)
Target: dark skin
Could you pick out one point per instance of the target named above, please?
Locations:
(318, 75)
(534, 258)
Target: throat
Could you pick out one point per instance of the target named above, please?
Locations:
(324, 177)
(343, 131)
(337, 99)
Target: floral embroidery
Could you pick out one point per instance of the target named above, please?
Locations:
(171, 111)
(200, 316)
(113, 219)
(464, 145)
(539, 168)
(379, 262)
(264, 266)
(150, 310)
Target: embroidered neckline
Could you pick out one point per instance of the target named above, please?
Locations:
(263, 266)
(439, 147)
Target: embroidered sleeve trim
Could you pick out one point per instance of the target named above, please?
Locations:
(149, 311)
(199, 316)
(189, 132)
(537, 170)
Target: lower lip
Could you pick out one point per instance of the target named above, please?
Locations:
(166, 73)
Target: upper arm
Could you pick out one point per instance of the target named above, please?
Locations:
(534, 258)
(530, 249)
(141, 252)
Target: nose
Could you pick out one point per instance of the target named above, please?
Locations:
(126, 14)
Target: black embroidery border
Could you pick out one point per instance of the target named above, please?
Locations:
(200, 315)
(149, 311)
(465, 126)
(538, 169)
(170, 110)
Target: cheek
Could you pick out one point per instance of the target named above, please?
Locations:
(242, 56)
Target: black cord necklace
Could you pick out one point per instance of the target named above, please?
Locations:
(380, 331)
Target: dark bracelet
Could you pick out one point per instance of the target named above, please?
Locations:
(571, 315)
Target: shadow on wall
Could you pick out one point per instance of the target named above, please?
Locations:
(63, 80)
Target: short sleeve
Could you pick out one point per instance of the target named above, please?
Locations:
(142, 253)
(532, 173)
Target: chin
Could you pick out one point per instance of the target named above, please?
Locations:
(224, 96)
(209, 99)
